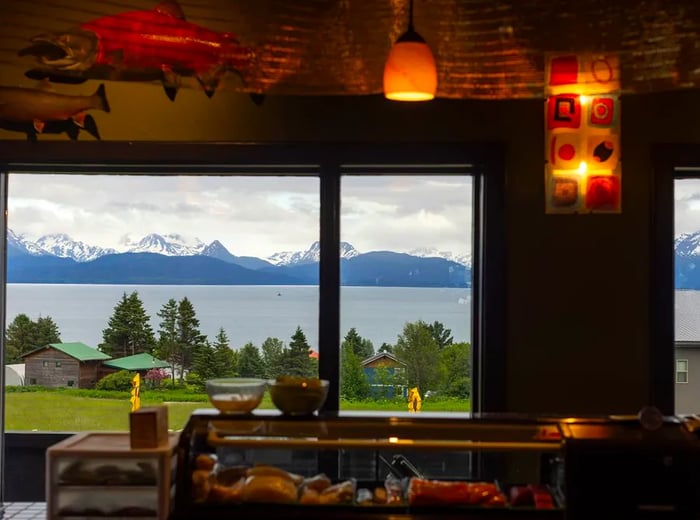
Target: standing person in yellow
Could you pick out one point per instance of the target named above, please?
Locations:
(414, 400)
(135, 393)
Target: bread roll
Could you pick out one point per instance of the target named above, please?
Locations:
(269, 489)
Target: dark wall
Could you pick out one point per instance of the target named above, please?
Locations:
(578, 308)
(25, 464)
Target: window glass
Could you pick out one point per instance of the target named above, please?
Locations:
(114, 266)
(406, 244)
(681, 371)
(687, 289)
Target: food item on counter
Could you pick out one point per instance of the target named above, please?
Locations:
(201, 484)
(121, 474)
(309, 496)
(521, 496)
(380, 496)
(227, 493)
(532, 495)
(341, 493)
(269, 489)
(318, 482)
(205, 461)
(422, 492)
(394, 489)
(235, 395)
(229, 403)
(228, 476)
(274, 471)
(364, 497)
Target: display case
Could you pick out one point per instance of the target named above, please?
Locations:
(99, 475)
(430, 465)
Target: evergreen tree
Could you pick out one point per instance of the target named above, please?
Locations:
(273, 355)
(24, 335)
(250, 362)
(189, 338)
(298, 362)
(417, 348)
(167, 335)
(226, 359)
(128, 331)
(386, 347)
(441, 335)
(362, 347)
(354, 384)
(204, 362)
(46, 331)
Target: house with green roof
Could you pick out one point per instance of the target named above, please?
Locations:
(63, 364)
(140, 363)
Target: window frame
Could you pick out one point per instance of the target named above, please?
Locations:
(686, 371)
(668, 162)
(328, 162)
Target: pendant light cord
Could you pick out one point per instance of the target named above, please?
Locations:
(410, 16)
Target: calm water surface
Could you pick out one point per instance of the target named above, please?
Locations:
(247, 313)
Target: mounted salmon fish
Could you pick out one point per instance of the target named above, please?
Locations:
(157, 44)
(67, 126)
(39, 107)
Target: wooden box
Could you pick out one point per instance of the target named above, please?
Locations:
(100, 474)
(149, 427)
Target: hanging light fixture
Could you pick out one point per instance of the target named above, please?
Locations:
(410, 73)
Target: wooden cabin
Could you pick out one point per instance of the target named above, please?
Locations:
(74, 365)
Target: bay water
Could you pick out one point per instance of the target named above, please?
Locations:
(247, 313)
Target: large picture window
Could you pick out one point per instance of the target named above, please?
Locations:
(254, 243)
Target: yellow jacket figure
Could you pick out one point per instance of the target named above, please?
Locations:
(414, 400)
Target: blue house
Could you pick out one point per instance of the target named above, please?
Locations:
(386, 375)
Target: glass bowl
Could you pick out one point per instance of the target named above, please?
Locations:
(298, 395)
(235, 394)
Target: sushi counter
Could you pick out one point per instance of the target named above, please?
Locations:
(357, 465)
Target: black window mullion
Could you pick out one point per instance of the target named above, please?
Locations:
(329, 284)
(3, 344)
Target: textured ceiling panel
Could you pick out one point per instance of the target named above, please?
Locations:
(489, 49)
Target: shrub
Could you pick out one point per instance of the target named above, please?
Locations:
(154, 377)
(118, 381)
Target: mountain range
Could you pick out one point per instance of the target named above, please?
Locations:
(687, 261)
(172, 259)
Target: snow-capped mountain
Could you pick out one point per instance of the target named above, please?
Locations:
(24, 245)
(432, 252)
(311, 255)
(61, 245)
(172, 244)
(687, 244)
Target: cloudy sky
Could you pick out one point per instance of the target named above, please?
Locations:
(250, 216)
(687, 214)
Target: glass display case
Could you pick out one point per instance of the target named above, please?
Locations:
(431, 465)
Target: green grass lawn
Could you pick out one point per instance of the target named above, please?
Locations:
(59, 411)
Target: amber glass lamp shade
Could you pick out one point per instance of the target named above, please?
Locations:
(410, 73)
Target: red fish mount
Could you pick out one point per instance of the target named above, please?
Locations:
(145, 45)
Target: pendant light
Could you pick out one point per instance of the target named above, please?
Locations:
(410, 73)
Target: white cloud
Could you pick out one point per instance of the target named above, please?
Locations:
(251, 215)
(687, 206)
